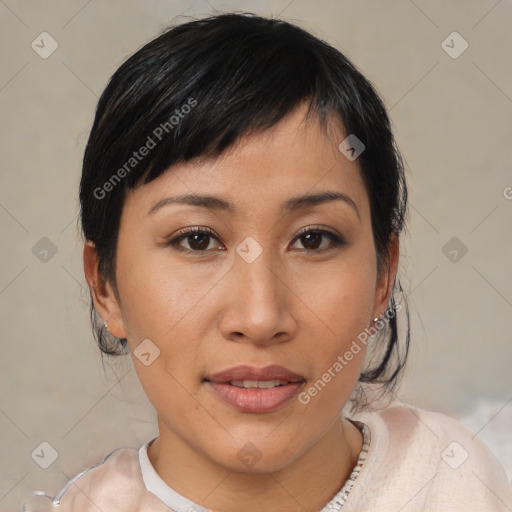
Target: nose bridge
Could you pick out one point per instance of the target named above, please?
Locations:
(258, 284)
(258, 305)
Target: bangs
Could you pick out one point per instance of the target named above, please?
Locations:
(180, 100)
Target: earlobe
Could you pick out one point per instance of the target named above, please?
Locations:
(102, 293)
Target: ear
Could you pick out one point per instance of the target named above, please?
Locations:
(386, 278)
(103, 296)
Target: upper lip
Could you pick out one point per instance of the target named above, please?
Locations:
(272, 372)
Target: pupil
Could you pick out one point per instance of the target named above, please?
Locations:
(201, 241)
(315, 237)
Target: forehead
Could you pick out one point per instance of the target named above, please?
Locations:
(263, 170)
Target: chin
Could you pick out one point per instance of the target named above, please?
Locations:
(259, 456)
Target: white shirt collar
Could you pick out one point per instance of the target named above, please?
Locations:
(160, 489)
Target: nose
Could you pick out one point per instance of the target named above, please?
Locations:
(259, 304)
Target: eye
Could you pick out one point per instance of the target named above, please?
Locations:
(312, 238)
(198, 239)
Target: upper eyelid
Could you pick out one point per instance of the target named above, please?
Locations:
(203, 229)
(316, 228)
(185, 232)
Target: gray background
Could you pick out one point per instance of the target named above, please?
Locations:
(452, 118)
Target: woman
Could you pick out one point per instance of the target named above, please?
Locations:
(241, 202)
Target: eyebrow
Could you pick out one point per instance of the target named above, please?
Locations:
(289, 206)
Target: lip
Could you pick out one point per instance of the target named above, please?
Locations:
(271, 372)
(256, 400)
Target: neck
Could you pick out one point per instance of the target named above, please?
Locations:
(308, 483)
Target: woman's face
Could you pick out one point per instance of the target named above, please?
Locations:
(271, 279)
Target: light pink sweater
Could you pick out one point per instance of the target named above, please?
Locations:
(417, 461)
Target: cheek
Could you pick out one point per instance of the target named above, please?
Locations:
(341, 300)
(155, 294)
(157, 304)
(341, 294)
(166, 303)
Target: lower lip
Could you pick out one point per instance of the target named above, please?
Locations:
(256, 400)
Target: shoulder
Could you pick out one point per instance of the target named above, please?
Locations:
(113, 481)
(431, 462)
(428, 430)
(114, 484)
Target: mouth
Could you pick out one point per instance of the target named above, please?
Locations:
(253, 390)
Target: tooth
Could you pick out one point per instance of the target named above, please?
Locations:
(258, 384)
(250, 383)
(267, 384)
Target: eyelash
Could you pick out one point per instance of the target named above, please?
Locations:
(183, 234)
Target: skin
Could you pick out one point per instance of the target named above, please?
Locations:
(300, 304)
